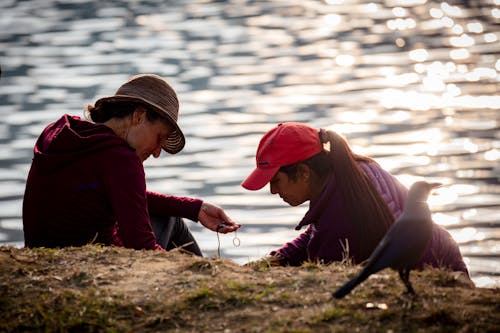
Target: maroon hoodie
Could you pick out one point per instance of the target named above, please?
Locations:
(86, 185)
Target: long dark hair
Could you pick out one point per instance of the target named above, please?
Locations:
(365, 207)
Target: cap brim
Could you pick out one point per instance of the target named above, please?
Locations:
(175, 142)
(259, 178)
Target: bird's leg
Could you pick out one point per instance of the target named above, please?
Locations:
(404, 274)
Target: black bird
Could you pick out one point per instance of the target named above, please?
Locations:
(404, 243)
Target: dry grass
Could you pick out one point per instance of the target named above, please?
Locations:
(102, 289)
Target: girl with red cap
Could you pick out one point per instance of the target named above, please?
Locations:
(352, 200)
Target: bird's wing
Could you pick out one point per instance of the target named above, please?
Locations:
(392, 250)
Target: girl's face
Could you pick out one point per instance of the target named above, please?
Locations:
(292, 191)
(146, 136)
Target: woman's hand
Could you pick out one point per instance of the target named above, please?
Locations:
(214, 218)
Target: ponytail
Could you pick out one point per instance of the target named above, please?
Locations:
(365, 207)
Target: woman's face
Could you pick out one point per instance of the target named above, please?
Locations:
(146, 136)
(292, 191)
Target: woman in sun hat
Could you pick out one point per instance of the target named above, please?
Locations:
(352, 200)
(87, 182)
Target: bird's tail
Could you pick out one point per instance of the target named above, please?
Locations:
(349, 286)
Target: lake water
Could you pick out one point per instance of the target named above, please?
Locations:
(411, 83)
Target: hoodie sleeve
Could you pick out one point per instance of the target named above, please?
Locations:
(169, 205)
(123, 176)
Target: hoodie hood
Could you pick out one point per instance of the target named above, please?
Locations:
(71, 138)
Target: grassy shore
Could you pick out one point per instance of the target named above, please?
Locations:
(105, 289)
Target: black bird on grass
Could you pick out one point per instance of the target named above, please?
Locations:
(404, 243)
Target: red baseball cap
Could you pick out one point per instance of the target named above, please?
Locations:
(285, 144)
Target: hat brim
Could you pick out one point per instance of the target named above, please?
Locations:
(259, 178)
(175, 141)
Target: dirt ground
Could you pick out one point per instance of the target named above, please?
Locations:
(107, 289)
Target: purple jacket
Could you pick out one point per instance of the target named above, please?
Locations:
(329, 230)
(86, 184)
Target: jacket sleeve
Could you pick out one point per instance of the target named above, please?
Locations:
(294, 253)
(124, 179)
(169, 205)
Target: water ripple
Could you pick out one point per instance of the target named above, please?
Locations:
(412, 83)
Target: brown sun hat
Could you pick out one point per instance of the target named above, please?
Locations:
(157, 95)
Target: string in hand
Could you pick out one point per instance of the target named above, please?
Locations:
(236, 240)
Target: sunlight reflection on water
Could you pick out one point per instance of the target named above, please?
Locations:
(412, 83)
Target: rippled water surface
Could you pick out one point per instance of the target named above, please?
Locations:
(412, 83)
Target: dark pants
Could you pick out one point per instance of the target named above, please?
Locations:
(172, 232)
